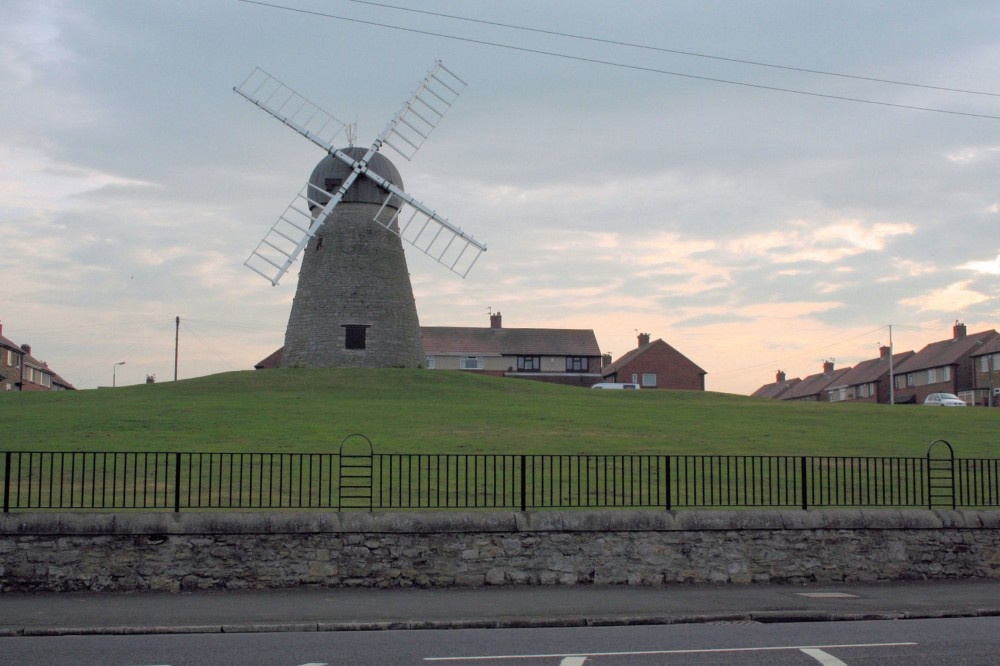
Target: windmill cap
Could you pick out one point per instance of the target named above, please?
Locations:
(331, 172)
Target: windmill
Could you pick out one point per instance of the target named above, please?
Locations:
(354, 304)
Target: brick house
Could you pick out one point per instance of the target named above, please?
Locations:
(986, 373)
(777, 388)
(20, 371)
(945, 366)
(656, 365)
(11, 362)
(867, 381)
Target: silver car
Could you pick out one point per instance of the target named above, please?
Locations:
(944, 400)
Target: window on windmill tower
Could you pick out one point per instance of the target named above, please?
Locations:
(333, 184)
(354, 336)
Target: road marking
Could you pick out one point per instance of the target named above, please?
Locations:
(827, 595)
(823, 657)
(644, 653)
(573, 661)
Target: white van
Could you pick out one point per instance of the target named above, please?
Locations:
(613, 385)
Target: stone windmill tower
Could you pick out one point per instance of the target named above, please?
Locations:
(354, 304)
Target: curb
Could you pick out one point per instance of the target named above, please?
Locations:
(764, 617)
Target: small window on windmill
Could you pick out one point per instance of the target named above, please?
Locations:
(354, 336)
(333, 184)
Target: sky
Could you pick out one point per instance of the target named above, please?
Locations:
(763, 185)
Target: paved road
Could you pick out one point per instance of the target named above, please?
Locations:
(938, 642)
(320, 609)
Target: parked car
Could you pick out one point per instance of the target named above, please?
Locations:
(614, 385)
(944, 400)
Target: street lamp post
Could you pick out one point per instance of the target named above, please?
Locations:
(114, 373)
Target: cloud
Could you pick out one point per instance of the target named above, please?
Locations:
(952, 298)
(986, 267)
(973, 154)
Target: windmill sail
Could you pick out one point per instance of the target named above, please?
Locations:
(293, 229)
(428, 232)
(291, 108)
(400, 213)
(421, 113)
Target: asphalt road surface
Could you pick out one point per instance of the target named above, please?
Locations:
(951, 641)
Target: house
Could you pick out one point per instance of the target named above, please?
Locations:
(20, 371)
(656, 365)
(986, 374)
(562, 356)
(11, 362)
(777, 388)
(813, 388)
(868, 381)
(941, 367)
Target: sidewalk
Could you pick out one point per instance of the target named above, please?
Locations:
(322, 609)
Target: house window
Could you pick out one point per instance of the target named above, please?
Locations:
(472, 363)
(576, 364)
(649, 379)
(354, 336)
(529, 363)
(945, 373)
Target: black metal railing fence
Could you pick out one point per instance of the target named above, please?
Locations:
(358, 478)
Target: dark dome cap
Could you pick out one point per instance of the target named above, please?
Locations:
(331, 172)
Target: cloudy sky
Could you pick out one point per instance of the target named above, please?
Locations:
(764, 185)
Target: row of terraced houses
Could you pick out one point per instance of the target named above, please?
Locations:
(966, 365)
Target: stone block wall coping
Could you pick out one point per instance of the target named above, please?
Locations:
(445, 522)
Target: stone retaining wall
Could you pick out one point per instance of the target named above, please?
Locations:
(172, 552)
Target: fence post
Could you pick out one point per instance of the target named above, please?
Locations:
(667, 484)
(177, 483)
(6, 482)
(524, 482)
(804, 483)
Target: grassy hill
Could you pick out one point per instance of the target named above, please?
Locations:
(419, 410)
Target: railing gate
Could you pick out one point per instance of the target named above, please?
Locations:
(355, 473)
(940, 475)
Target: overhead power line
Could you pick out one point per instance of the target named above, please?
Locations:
(660, 49)
(620, 65)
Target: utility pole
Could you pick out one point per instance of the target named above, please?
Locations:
(177, 336)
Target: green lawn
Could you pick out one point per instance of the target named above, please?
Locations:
(404, 411)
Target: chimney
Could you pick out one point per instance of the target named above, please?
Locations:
(958, 330)
(780, 377)
(496, 320)
(883, 351)
(643, 339)
(26, 349)
(827, 367)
